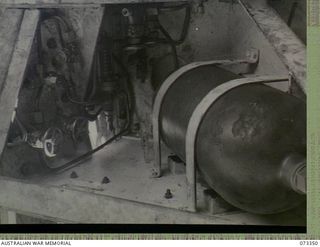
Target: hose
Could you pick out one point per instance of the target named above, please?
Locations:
(76, 161)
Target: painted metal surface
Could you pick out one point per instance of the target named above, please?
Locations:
(69, 3)
(62, 3)
(86, 22)
(15, 75)
(86, 200)
(196, 120)
(10, 21)
(231, 125)
(83, 207)
(165, 86)
(288, 46)
(157, 107)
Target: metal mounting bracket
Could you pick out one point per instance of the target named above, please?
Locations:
(196, 119)
(158, 102)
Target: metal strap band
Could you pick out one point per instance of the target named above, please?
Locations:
(194, 124)
(158, 102)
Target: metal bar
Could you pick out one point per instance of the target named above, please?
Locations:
(16, 71)
(8, 216)
(288, 46)
(69, 3)
(91, 20)
(72, 205)
(196, 119)
(293, 9)
(158, 102)
(77, 205)
(10, 21)
(49, 6)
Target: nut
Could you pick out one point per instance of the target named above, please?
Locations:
(168, 194)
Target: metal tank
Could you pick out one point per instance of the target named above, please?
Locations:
(251, 144)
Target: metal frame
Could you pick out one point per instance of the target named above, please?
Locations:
(58, 196)
(195, 119)
(157, 108)
(71, 205)
(15, 74)
(69, 3)
(287, 45)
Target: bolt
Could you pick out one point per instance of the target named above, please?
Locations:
(300, 181)
(52, 43)
(155, 173)
(126, 12)
(74, 175)
(105, 180)
(168, 194)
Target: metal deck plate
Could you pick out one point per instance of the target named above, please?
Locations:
(122, 162)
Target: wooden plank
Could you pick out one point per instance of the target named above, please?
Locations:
(15, 75)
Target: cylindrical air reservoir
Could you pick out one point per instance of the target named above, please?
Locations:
(251, 144)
